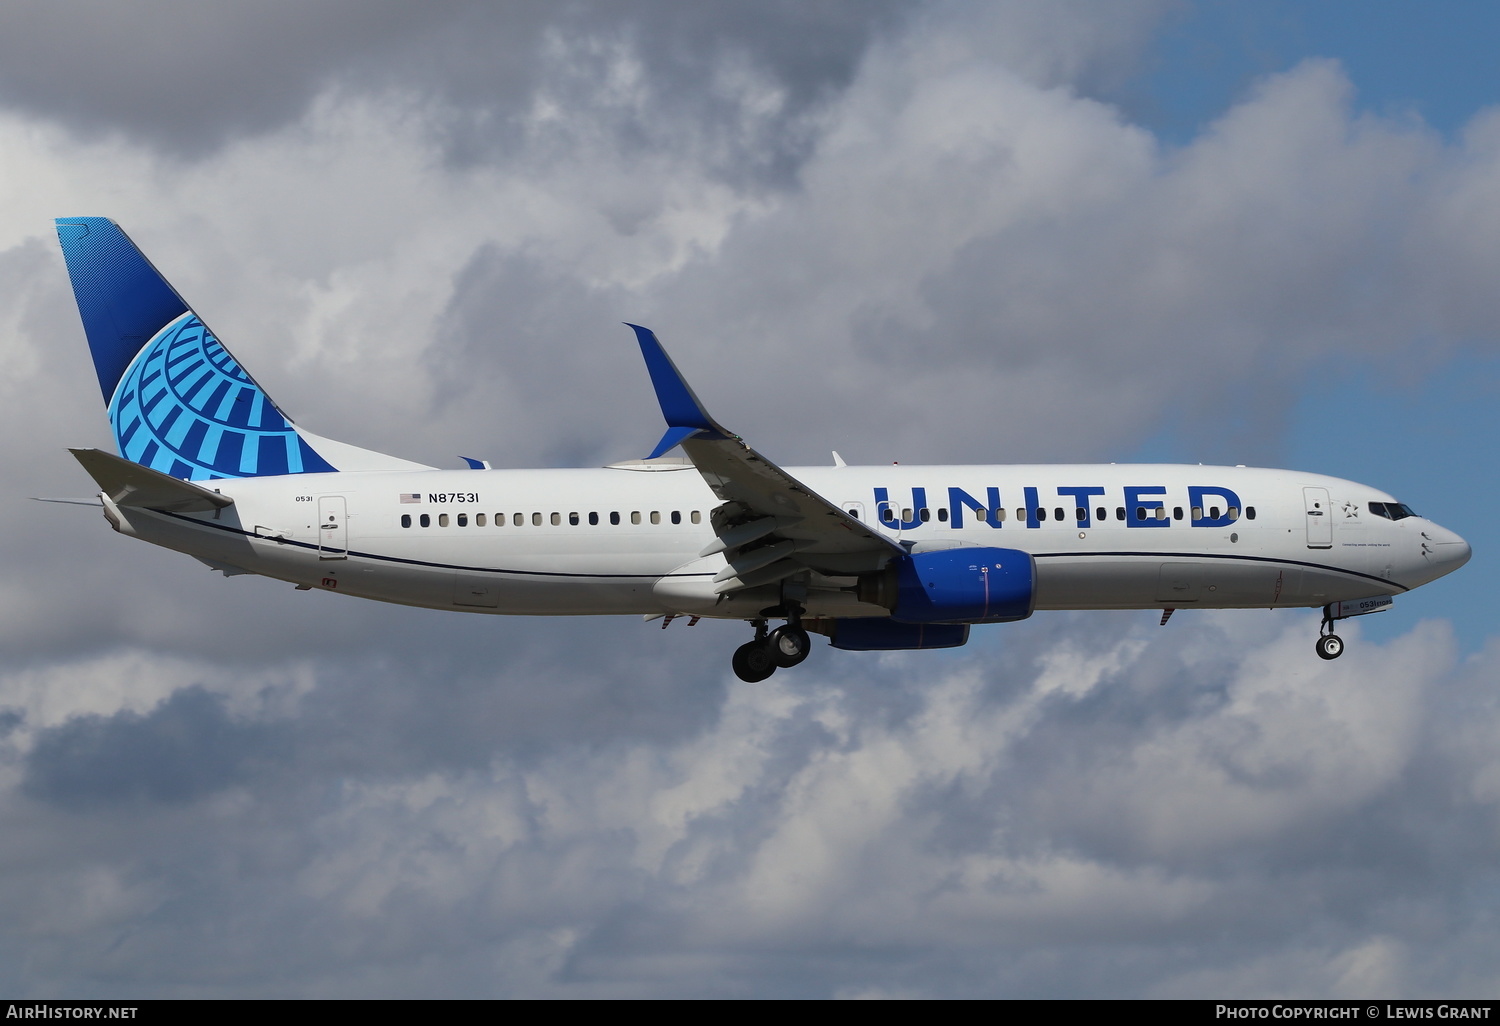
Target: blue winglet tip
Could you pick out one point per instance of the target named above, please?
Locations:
(679, 406)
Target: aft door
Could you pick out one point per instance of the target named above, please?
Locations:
(1319, 518)
(333, 527)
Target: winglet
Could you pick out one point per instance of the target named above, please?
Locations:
(684, 414)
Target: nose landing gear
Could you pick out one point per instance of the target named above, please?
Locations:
(784, 647)
(1330, 645)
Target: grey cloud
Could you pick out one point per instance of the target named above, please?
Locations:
(997, 822)
(189, 79)
(185, 749)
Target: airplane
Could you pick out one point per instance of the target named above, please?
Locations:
(875, 558)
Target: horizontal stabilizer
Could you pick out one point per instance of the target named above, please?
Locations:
(131, 484)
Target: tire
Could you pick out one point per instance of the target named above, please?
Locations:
(753, 662)
(1330, 646)
(789, 645)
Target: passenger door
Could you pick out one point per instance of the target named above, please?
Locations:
(333, 529)
(1319, 518)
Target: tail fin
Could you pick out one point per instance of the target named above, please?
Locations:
(178, 402)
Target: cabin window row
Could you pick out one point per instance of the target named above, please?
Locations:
(554, 519)
(1059, 513)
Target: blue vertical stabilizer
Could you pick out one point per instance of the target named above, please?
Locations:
(178, 402)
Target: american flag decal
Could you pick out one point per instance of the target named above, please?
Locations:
(411, 496)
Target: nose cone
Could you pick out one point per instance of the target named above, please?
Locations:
(1445, 551)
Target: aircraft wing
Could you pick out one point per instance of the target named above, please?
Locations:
(131, 484)
(771, 525)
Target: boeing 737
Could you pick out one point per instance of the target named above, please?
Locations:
(873, 558)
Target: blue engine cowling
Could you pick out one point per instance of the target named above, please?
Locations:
(970, 584)
(879, 634)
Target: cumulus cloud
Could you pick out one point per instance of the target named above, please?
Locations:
(915, 232)
(1041, 817)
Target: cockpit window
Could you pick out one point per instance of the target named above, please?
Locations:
(1392, 510)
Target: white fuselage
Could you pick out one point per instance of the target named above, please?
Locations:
(621, 540)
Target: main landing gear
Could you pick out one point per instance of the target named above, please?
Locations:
(786, 646)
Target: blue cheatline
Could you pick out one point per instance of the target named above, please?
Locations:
(178, 402)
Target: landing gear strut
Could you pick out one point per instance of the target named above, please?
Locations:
(1330, 645)
(786, 646)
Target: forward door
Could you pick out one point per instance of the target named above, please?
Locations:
(1319, 518)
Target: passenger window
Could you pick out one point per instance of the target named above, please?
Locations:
(1140, 512)
(1119, 512)
(518, 520)
(1213, 512)
(406, 520)
(614, 519)
(463, 520)
(1176, 512)
(656, 516)
(676, 517)
(635, 516)
(1000, 515)
(1250, 512)
(1021, 514)
(1081, 514)
(906, 515)
(479, 520)
(1101, 514)
(425, 520)
(556, 519)
(697, 517)
(942, 514)
(888, 515)
(1041, 513)
(442, 520)
(1161, 513)
(593, 519)
(536, 520)
(1057, 514)
(924, 514)
(1197, 512)
(853, 511)
(1233, 513)
(572, 519)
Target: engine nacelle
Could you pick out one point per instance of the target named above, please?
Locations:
(970, 584)
(878, 634)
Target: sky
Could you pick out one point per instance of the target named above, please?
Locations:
(920, 231)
